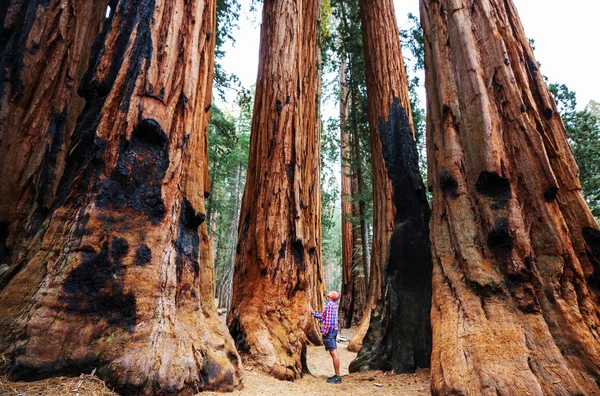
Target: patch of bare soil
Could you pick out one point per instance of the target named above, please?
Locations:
(319, 363)
(255, 383)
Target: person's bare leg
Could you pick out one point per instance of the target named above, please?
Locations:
(336, 361)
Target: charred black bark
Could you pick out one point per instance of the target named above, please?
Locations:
(399, 336)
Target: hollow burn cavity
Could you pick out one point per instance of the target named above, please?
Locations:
(499, 239)
(187, 245)
(550, 194)
(136, 182)
(492, 185)
(448, 184)
(298, 252)
(151, 132)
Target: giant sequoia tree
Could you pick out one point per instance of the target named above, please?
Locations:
(44, 51)
(277, 270)
(119, 276)
(516, 250)
(399, 332)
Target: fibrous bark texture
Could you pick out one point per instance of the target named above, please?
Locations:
(44, 51)
(399, 334)
(516, 250)
(120, 276)
(346, 309)
(277, 269)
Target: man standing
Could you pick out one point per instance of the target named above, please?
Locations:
(329, 329)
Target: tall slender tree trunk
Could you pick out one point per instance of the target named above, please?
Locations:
(277, 264)
(347, 295)
(359, 274)
(399, 328)
(120, 275)
(313, 77)
(361, 189)
(44, 50)
(516, 250)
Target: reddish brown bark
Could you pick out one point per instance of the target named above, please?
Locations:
(120, 276)
(516, 250)
(44, 51)
(346, 309)
(277, 266)
(311, 176)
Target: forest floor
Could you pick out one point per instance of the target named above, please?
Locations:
(369, 383)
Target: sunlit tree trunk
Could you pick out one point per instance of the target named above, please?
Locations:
(400, 281)
(44, 51)
(278, 260)
(516, 250)
(120, 277)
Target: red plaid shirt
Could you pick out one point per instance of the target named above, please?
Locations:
(329, 317)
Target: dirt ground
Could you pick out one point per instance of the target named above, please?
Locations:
(319, 363)
(255, 383)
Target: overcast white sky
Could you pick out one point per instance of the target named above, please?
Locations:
(566, 35)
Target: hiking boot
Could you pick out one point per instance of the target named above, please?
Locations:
(336, 379)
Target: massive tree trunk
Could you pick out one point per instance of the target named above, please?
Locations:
(347, 293)
(120, 277)
(276, 270)
(516, 250)
(44, 51)
(399, 331)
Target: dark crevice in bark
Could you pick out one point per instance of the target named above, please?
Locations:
(188, 241)
(499, 239)
(5, 251)
(399, 336)
(592, 239)
(492, 185)
(550, 194)
(448, 184)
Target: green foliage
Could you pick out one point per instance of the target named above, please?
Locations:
(413, 44)
(583, 130)
(228, 146)
(228, 15)
(412, 40)
(332, 248)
